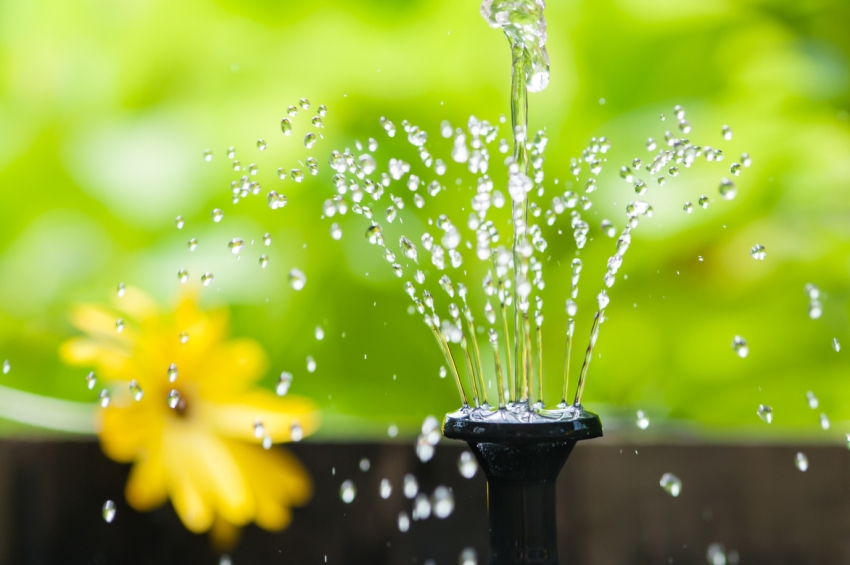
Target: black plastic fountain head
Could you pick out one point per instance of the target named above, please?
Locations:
(522, 462)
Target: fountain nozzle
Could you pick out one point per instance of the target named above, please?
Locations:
(522, 461)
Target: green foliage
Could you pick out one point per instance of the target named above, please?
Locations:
(106, 109)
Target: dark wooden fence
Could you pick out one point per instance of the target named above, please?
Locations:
(751, 499)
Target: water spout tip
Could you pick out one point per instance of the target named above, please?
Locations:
(510, 427)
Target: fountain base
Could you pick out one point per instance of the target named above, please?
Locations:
(522, 460)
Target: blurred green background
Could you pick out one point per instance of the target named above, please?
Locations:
(106, 109)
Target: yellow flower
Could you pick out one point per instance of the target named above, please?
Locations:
(203, 453)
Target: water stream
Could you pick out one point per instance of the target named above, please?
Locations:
(513, 284)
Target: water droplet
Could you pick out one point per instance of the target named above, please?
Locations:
(317, 121)
(386, 488)
(336, 231)
(365, 464)
(267, 442)
(739, 345)
(757, 252)
(193, 244)
(261, 144)
(119, 325)
(292, 110)
(727, 133)
(408, 248)
(276, 200)
(304, 103)
(283, 383)
(403, 521)
(685, 126)
(207, 279)
(836, 346)
(237, 165)
(297, 279)
(442, 502)
(467, 465)
(216, 215)
(184, 337)
(671, 483)
(411, 486)
(172, 373)
(105, 398)
(108, 511)
(815, 309)
(392, 431)
(735, 169)
(311, 364)
(322, 110)
(801, 462)
(347, 492)
(727, 189)
(716, 554)
(91, 379)
(173, 399)
(688, 207)
(642, 420)
(136, 391)
(765, 412)
(824, 421)
(178, 221)
(674, 171)
(310, 140)
(121, 290)
(183, 275)
(424, 449)
(208, 155)
(468, 557)
(259, 428)
(296, 175)
(286, 126)
(704, 202)
(320, 333)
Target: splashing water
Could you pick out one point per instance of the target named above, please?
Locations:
(108, 511)
(347, 492)
(512, 264)
(801, 462)
(525, 27)
(386, 488)
(671, 483)
(467, 465)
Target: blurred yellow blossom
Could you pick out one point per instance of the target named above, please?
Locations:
(186, 412)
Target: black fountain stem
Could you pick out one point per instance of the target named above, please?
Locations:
(522, 462)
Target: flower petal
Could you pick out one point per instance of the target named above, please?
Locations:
(188, 495)
(108, 357)
(126, 432)
(99, 323)
(279, 482)
(231, 367)
(213, 468)
(236, 418)
(147, 486)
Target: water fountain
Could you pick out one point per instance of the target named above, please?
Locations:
(521, 443)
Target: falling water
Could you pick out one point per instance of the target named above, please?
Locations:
(514, 281)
